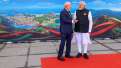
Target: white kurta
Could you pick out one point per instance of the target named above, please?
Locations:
(83, 38)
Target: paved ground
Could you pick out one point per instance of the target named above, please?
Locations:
(27, 55)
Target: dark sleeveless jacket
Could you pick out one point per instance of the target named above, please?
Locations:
(83, 22)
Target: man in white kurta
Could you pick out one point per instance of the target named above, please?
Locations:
(83, 26)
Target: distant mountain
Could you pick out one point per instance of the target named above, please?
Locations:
(110, 13)
(29, 11)
(96, 13)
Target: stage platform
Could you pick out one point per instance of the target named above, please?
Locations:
(28, 55)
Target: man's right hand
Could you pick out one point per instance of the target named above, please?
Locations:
(75, 21)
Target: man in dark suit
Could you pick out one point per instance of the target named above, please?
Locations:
(66, 31)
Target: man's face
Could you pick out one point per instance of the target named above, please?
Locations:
(82, 6)
(68, 6)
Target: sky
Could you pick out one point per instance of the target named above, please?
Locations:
(114, 5)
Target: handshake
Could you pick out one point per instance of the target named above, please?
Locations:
(75, 21)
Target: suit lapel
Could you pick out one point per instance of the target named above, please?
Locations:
(69, 13)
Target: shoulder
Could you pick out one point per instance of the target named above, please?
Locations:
(87, 10)
(77, 10)
(63, 11)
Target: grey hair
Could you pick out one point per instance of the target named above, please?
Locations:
(66, 3)
(82, 2)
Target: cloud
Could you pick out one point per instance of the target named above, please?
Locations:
(44, 5)
(116, 9)
(39, 5)
(100, 4)
(75, 2)
(52, 4)
(5, 0)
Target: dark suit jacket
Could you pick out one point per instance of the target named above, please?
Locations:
(65, 22)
